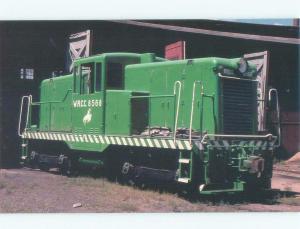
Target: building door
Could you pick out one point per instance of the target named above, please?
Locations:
(175, 51)
(79, 46)
(261, 61)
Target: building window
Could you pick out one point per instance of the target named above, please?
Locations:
(27, 73)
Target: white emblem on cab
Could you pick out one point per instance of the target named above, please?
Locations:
(88, 117)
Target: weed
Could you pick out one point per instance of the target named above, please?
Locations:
(33, 186)
(290, 201)
(2, 185)
(287, 189)
(8, 192)
(128, 207)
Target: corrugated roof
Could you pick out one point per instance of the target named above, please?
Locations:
(233, 32)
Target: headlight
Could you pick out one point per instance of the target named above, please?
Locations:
(243, 65)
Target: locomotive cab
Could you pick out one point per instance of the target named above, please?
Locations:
(101, 104)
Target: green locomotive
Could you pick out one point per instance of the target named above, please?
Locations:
(191, 122)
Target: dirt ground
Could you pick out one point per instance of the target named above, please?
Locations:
(25, 190)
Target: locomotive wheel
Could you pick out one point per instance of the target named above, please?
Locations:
(125, 176)
(44, 167)
(32, 160)
(68, 167)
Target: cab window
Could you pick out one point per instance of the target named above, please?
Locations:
(76, 79)
(98, 77)
(115, 71)
(87, 78)
(115, 76)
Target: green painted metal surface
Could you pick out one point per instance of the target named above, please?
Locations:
(118, 110)
(55, 101)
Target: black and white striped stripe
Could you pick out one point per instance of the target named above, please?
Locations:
(114, 140)
(257, 144)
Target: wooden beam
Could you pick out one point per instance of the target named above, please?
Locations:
(245, 36)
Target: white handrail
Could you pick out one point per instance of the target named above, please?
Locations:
(28, 109)
(177, 108)
(192, 109)
(20, 115)
(29, 100)
(278, 113)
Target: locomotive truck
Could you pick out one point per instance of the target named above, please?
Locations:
(191, 122)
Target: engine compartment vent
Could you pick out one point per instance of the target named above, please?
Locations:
(239, 106)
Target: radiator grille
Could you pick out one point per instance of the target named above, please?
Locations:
(238, 106)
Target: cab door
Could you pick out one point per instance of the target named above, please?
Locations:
(87, 104)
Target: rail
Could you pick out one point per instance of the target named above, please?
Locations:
(177, 107)
(29, 102)
(273, 90)
(192, 107)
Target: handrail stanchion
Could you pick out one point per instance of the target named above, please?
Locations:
(177, 107)
(20, 116)
(28, 110)
(29, 101)
(277, 112)
(192, 109)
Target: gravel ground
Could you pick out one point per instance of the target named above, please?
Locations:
(25, 190)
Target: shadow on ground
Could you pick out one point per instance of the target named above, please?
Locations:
(270, 197)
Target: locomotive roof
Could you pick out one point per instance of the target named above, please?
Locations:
(228, 62)
(115, 54)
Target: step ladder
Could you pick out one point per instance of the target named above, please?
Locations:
(186, 157)
(185, 167)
